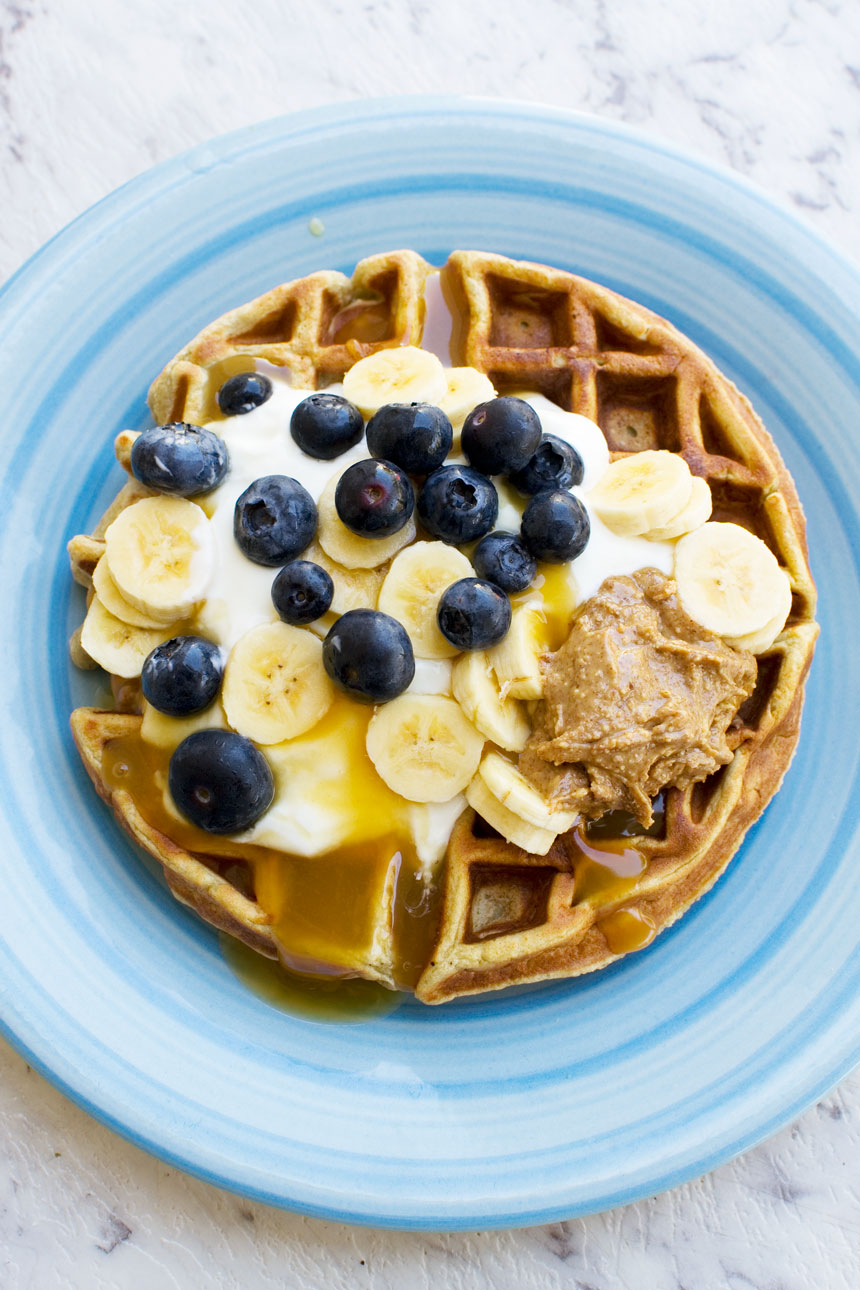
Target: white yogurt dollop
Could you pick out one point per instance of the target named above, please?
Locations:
(259, 443)
(302, 819)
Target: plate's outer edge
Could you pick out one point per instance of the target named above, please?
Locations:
(489, 154)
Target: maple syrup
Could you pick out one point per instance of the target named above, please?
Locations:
(314, 998)
(627, 930)
(324, 910)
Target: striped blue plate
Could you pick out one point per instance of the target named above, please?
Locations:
(517, 1108)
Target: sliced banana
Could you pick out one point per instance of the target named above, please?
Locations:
(275, 686)
(116, 646)
(467, 387)
(642, 492)
(516, 794)
(476, 689)
(728, 580)
(413, 587)
(405, 374)
(423, 747)
(115, 602)
(758, 642)
(162, 731)
(513, 829)
(516, 658)
(696, 512)
(347, 548)
(161, 554)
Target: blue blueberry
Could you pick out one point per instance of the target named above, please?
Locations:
(374, 498)
(182, 675)
(416, 436)
(473, 614)
(179, 458)
(502, 559)
(555, 526)
(457, 504)
(302, 592)
(554, 464)
(243, 393)
(325, 425)
(274, 520)
(369, 655)
(220, 781)
(500, 435)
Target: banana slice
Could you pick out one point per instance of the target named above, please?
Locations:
(423, 747)
(517, 795)
(405, 374)
(162, 731)
(516, 658)
(161, 553)
(758, 642)
(346, 547)
(642, 492)
(728, 580)
(691, 516)
(413, 587)
(115, 602)
(513, 829)
(475, 688)
(116, 646)
(467, 387)
(275, 686)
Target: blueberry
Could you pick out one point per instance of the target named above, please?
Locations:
(555, 464)
(502, 559)
(274, 519)
(374, 498)
(457, 504)
(220, 781)
(416, 436)
(500, 436)
(243, 393)
(325, 425)
(182, 675)
(302, 592)
(179, 458)
(473, 614)
(369, 655)
(555, 526)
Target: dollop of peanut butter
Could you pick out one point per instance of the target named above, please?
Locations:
(637, 699)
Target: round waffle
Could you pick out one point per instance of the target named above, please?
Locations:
(506, 916)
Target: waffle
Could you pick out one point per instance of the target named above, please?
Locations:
(508, 917)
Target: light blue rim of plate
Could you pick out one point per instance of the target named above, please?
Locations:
(517, 1108)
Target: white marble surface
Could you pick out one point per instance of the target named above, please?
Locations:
(94, 91)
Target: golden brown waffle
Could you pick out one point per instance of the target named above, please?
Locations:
(508, 917)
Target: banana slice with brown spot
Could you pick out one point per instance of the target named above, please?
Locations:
(275, 686)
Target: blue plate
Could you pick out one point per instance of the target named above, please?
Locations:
(510, 1109)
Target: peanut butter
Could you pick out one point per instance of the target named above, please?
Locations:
(638, 698)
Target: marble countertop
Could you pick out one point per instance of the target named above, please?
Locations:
(93, 92)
